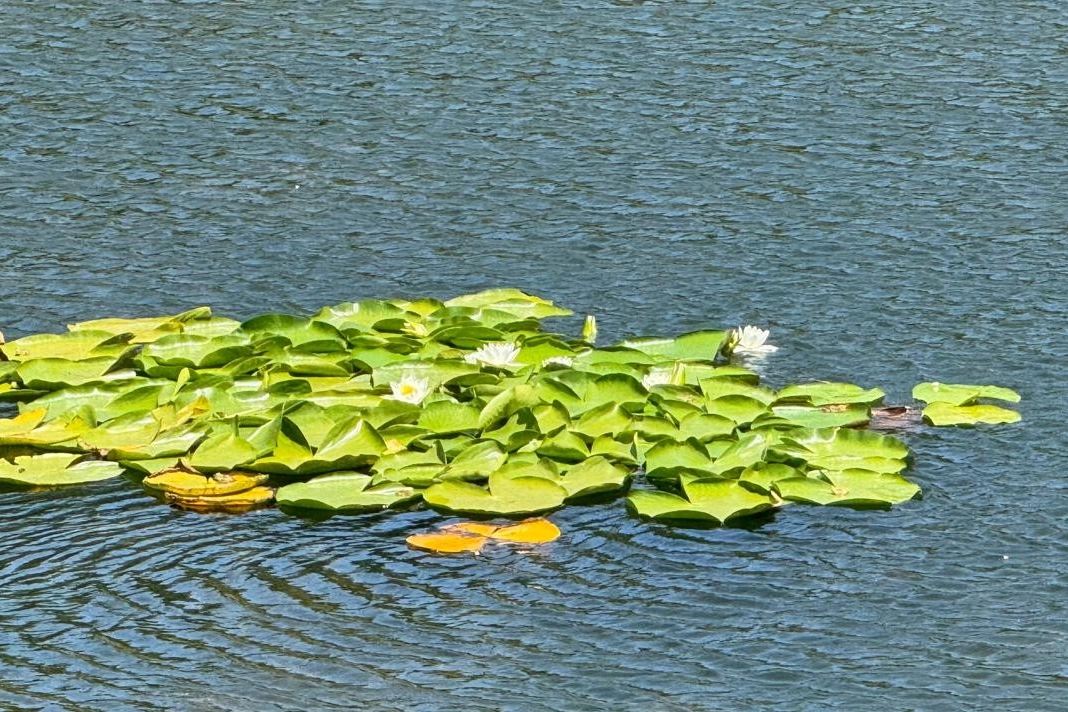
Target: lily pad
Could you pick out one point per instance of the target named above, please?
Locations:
(447, 542)
(940, 413)
(825, 393)
(850, 488)
(506, 496)
(594, 476)
(53, 469)
(191, 484)
(345, 492)
(961, 394)
(714, 500)
(235, 503)
(844, 449)
(531, 531)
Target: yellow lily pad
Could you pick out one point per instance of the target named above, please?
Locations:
(446, 543)
(531, 531)
(476, 528)
(234, 503)
(183, 483)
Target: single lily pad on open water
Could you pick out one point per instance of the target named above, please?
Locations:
(939, 413)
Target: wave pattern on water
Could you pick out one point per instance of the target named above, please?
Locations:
(881, 184)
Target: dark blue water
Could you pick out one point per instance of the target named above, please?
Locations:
(879, 183)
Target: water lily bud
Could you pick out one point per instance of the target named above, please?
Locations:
(589, 329)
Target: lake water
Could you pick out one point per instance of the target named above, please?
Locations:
(881, 184)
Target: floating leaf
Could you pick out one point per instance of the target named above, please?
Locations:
(961, 394)
(594, 476)
(235, 503)
(192, 484)
(939, 413)
(476, 461)
(825, 393)
(531, 531)
(74, 346)
(845, 448)
(221, 453)
(666, 460)
(49, 374)
(447, 543)
(851, 488)
(697, 345)
(344, 492)
(476, 528)
(716, 501)
(805, 416)
(506, 496)
(445, 417)
(188, 350)
(53, 469)
(665, 506)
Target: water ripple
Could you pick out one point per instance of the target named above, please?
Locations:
(880, 184)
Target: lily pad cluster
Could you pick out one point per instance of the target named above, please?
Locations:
(467, 406)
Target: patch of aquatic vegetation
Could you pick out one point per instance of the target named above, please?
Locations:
(466, 406)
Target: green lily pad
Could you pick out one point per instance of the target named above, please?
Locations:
(344, 492)
(305, 335)
(940, 413)
(49, 374)
(594, 476)
(476, 461)
(714, 500)
(513, 301)
(825, 393)
(739, 409)
(148, 329)
(805, 416)
(850, 488)
(53, 469)
(717, 387)
(607, 419)
(844, 449)
(565, 446)
(961, 394)
(73, 346)
(190, 351)
(761, 476)
(697, 345)
(505, 496)
(667, 459)
(445, 417)
(221, 453)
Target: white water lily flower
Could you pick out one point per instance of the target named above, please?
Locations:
(558, 361)
(656, 378)
(500, 355)
(410, 389)
(752, 340)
